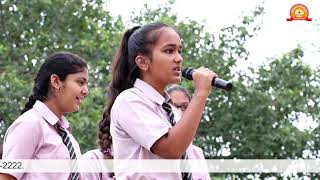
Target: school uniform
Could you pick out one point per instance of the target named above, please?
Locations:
(195, 152)
(137, 122)
(34, 136)
(95, 154)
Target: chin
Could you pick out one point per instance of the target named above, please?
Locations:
(74, 109)
(176, 80)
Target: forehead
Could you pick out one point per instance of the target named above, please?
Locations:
(168, 36)
(82, 74)
(178, 97)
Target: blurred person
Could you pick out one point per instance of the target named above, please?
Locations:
(181, 98)
(104, 152)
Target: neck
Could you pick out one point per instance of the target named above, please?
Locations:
(52, 105)
(156, 85)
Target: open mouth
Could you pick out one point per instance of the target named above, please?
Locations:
(79, 99)
(178, 69)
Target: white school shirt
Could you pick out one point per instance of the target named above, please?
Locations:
(137, 122)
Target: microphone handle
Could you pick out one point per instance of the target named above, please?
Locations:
(216, 82)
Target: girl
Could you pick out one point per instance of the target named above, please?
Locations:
(103, 152)
(42, 132)
(181, 98)
(139, 111)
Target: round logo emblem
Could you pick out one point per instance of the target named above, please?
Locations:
(299, 12)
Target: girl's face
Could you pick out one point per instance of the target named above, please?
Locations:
(180, 100)
(74, 90)
(165, 65)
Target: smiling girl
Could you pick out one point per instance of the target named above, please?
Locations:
(42, 132)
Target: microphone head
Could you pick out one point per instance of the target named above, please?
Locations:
(223, 84)
(229, 87)
(187, 73)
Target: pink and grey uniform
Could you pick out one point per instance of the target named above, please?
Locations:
(34, 136)
(137, 122)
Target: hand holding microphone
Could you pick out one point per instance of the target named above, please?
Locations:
(216, 82)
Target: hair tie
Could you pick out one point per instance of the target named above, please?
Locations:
(106, 151)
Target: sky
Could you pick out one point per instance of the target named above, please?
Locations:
(276, 37)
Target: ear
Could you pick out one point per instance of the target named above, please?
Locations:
(55, 82)
(143, 62)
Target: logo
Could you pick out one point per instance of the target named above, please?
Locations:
(299, 12)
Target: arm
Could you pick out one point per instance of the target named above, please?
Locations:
(6, 177)
(179, 137)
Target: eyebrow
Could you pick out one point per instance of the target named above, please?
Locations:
(173, 45)
(82, 78)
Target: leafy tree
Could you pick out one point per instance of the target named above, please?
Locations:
(252, 121)
(30, 30)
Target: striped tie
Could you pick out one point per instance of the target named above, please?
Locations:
(168, 109)
(66, 140)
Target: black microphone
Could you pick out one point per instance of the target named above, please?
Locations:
(216, 82)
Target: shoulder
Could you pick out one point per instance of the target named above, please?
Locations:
(128, 98)
(30, 120)
(130, 94)
(27, 128)
(93, 154)
(197, 149)
(195, 152)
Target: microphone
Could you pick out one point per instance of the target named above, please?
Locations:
(216, 82)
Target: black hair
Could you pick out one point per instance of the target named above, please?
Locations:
(136, 41)
(61, 64)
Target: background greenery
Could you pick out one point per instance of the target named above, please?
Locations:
(253, 121)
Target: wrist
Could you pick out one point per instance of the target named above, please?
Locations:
(201, 96)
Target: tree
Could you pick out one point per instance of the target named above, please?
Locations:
(47, 26)
(254, 121)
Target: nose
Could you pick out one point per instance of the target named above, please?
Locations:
(85, 90)
(179, 58)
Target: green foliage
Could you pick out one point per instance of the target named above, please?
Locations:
(82, 27)
(254, 120)
(13, 93)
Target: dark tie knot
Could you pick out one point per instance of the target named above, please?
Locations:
(62, 132)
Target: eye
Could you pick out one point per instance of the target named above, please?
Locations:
(81, 82)
(184, 107)
(168, 51)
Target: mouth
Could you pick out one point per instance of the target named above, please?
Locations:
(79, 99)
(177, 69)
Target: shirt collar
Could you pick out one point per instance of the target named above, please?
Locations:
(48, 115)
(151, 93)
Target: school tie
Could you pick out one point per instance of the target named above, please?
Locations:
(67, 141)
(168, 109)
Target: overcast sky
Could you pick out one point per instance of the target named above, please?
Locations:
(276, 36)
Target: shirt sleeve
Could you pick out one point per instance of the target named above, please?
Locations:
(21, 142)
(139, 120)
(195, 152)
(95, 155)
